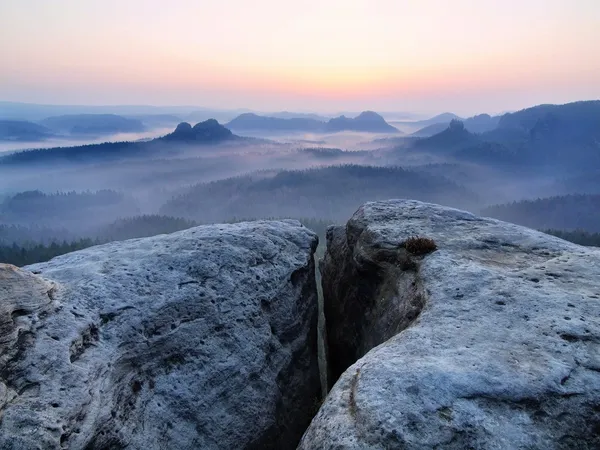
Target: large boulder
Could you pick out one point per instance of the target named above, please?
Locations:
(205, 338)
(491, 341)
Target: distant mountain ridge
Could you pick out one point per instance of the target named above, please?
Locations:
(454, 135)
(93, 124)
(367, 121)
(440, 118)
(255, 122)
(23, 131)
(566, 136)
(293, 115)
(208, 132)
(476, 124)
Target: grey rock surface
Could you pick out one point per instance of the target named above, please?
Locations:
(490, 342)
(205, 338)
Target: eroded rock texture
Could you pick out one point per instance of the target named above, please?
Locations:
(490, 342)
(204, 338)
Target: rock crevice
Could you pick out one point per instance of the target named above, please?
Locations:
(372, 292)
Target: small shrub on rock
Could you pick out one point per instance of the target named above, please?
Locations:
(418, 245)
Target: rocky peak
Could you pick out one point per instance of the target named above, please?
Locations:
(370, 116)
(183, 127)
(367, 121)
(209, 131)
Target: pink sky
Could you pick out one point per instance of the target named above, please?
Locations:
(319, 55)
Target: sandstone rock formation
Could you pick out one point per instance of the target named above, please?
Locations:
(490, 342)
(205, 338)
(209, 132)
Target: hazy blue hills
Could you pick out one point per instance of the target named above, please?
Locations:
(76, 154)
(93, 124)
(254, 122)
(564, 136)
(294, 115)
(431, 130)
(581, 115)
(480, 123)
(554, 135)
(209, 131)
(157, 120)
(204, 133)
(367, 121)
(332, 192)
(23, 131)
(35, 112)
(453, 137)
(443, 118)
(568, 212)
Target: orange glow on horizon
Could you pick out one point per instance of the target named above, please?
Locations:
(274, 52)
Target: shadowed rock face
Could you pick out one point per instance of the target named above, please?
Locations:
(490, 341)
(204, 338)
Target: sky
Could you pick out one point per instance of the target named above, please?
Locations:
(464, 56)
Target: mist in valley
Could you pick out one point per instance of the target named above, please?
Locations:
(7, 146)
(206, 174)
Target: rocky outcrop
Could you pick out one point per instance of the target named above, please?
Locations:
(208, 132)
(205, 338)
(490, 341)
(366, 121)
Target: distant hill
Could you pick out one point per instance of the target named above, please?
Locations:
(23, 131)
(293, 115)
(579, 115)
(77, 154)
(157, 120)
(204, 133)
(567, 135)
(332, 192)
(476, 124)
(546, 137)
(453, 137)
(568, 212)
(431, 130)
(36, 112)
(481, 123)
(459, 143)
(410, 126)
(208, 132)
(367, 121)
(93, 124)
(254, 122)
